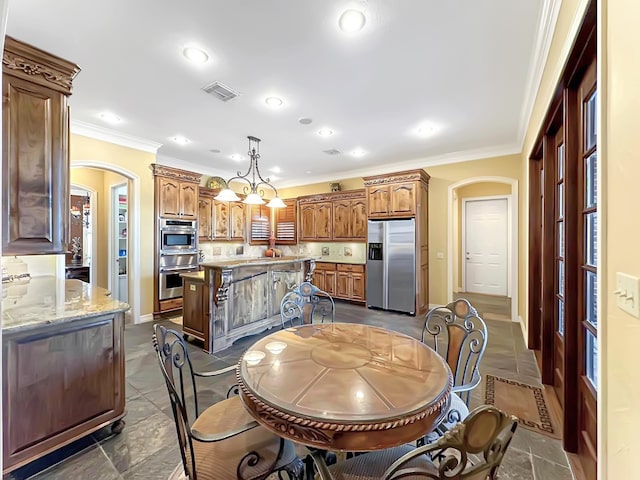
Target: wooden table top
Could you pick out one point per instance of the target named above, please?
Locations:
(332, 385)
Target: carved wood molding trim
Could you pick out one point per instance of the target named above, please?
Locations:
(301, 426)
(37, 66)
(170, 172)
(399, 177)
(333, 196)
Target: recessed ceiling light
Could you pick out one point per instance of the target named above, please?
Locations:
(179, 139)
(425, 130)
(358, 152)
(308, 172)
(195, 55)
(273, 102)
(325, 132)
(305, 120)
(351, 21)
(110, 117)
(275, 169)
(236, 157)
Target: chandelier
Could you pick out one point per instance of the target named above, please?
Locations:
(254, 190)
(81, 211)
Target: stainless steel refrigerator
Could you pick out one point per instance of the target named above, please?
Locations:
(391, 265)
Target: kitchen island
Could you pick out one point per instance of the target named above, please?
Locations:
(62, 365)
(232, 299)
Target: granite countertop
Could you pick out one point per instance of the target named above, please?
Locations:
(194, 275)
(48, 300)
(243, 262)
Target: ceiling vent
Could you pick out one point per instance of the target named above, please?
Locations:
(220, 91)
(332, 151)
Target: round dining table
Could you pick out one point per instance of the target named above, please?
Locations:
(344, 386)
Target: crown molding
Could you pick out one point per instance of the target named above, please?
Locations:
(454, 157)
(537, 63)
(193, 166)
(112, 136)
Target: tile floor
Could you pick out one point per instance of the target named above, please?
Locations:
(147, 448)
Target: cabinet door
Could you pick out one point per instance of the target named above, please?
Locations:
(342, 284)
(359, 220)
(318, 279)
(324, 221)
(403, 199)
(378, 201)
(286, 223)
(342, 220)
(169, 197)
(220, 220)
(330, 283)
(237, 221)
(205, 216)
(193, 321)
(188, 200)
(35, 166)
(357, 284)
(308, 222)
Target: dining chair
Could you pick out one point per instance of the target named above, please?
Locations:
(223, 442)
(471, 450)
(459, 335)
(306, 303)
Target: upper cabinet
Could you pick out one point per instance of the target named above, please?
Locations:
(176, 192)
(340, 216)
(35, 149)
(220, 220)
(395, 195)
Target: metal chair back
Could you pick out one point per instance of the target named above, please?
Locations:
(459, 335)
(177, 371)
(306, 303)
(486, 434)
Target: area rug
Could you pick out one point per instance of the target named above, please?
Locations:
(526, 402)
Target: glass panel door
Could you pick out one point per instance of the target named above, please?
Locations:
(560, 265)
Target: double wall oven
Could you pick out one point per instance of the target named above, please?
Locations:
(178, 254)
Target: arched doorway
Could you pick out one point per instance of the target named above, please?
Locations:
(512, 240)
(134, 229)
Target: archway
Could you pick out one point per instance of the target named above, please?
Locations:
(133, 234)
(513, 284)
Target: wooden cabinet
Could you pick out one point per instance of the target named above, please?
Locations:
(405, 195)
(195, 307)
(350, 283)
(316, 221)
(177, 199)
(220, 220)
(35, 150)
(341, 280)
(61, 381)
(176, 192)
(350, 220)
(340, 216)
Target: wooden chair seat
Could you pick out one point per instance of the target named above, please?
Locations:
(219, 460)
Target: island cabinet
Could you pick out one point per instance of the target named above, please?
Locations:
(220, 220)
(337, 216)
(35, 149)
(195, 306)
(63, 373)
(176, 192)
(405, 195)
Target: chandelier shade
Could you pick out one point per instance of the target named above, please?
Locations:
(254, 190)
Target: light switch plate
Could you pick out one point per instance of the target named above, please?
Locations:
(628, 293)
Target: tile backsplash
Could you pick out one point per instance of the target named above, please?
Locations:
(343, 252)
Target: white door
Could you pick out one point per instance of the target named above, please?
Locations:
(486, 246)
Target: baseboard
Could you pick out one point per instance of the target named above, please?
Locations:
(522, 327)
(145, 318)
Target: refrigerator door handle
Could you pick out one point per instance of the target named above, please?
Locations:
(385, 265)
